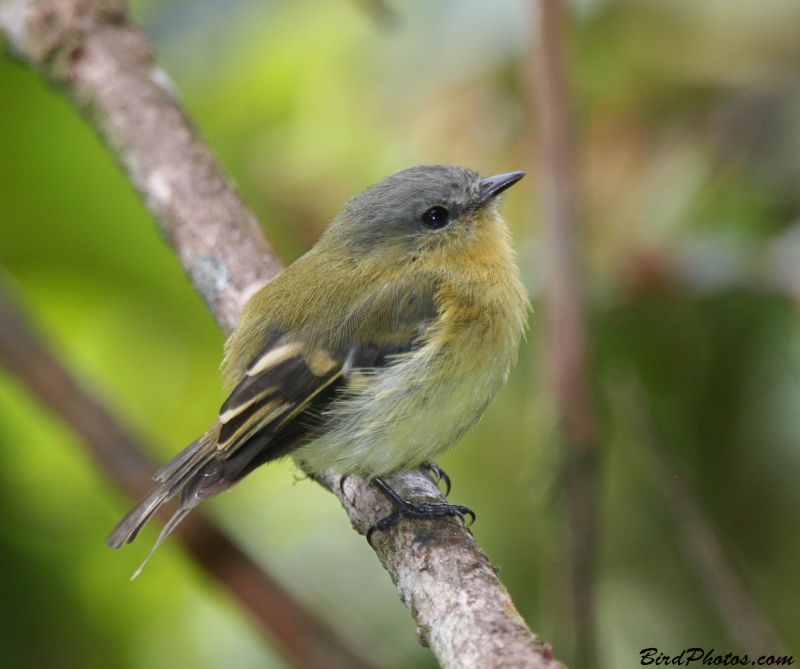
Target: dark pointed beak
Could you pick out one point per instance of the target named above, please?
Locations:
(493, 186)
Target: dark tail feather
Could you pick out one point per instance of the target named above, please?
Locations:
(177, 517)
(130, 526)
(188, 459)
(207, 482)
(194, 472)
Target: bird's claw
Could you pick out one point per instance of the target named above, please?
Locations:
(425, 511)
(438, 474)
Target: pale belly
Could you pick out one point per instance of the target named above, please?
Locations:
(411, 412)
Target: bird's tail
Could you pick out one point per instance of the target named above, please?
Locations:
(195, 472)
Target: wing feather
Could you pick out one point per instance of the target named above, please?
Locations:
(280, 400)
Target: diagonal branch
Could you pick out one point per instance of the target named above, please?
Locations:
(304, 640)
(93, 50)
(106, 65)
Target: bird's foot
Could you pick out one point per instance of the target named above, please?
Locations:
(438, 474)
(404, 509)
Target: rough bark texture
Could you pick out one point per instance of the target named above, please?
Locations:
(462, 610)
(105, 63)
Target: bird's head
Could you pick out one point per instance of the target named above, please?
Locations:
(428, 211)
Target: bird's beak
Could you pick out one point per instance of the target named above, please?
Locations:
(495, 185)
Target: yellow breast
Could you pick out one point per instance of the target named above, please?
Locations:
(410, 412)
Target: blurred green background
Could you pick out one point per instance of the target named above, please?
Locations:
(688, 118)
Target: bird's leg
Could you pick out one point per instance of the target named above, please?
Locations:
(404, 509)
(438, 474)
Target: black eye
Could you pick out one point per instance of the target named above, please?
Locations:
(436, 217)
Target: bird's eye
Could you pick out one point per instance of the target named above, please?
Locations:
(436, 217)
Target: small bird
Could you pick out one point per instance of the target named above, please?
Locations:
(373, 353)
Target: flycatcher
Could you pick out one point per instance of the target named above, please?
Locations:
(373, 353)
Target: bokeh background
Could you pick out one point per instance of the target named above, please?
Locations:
(688, 129)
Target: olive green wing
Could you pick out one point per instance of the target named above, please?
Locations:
(279, 403)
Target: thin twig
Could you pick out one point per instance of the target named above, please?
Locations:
(745, 621)
(304, 640)
(93, 50)
(565, 323)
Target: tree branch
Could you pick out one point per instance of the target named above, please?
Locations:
(565, 323)
(103, 60)
(304, 640)
(101, 57)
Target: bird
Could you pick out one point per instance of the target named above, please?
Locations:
(373, 353)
